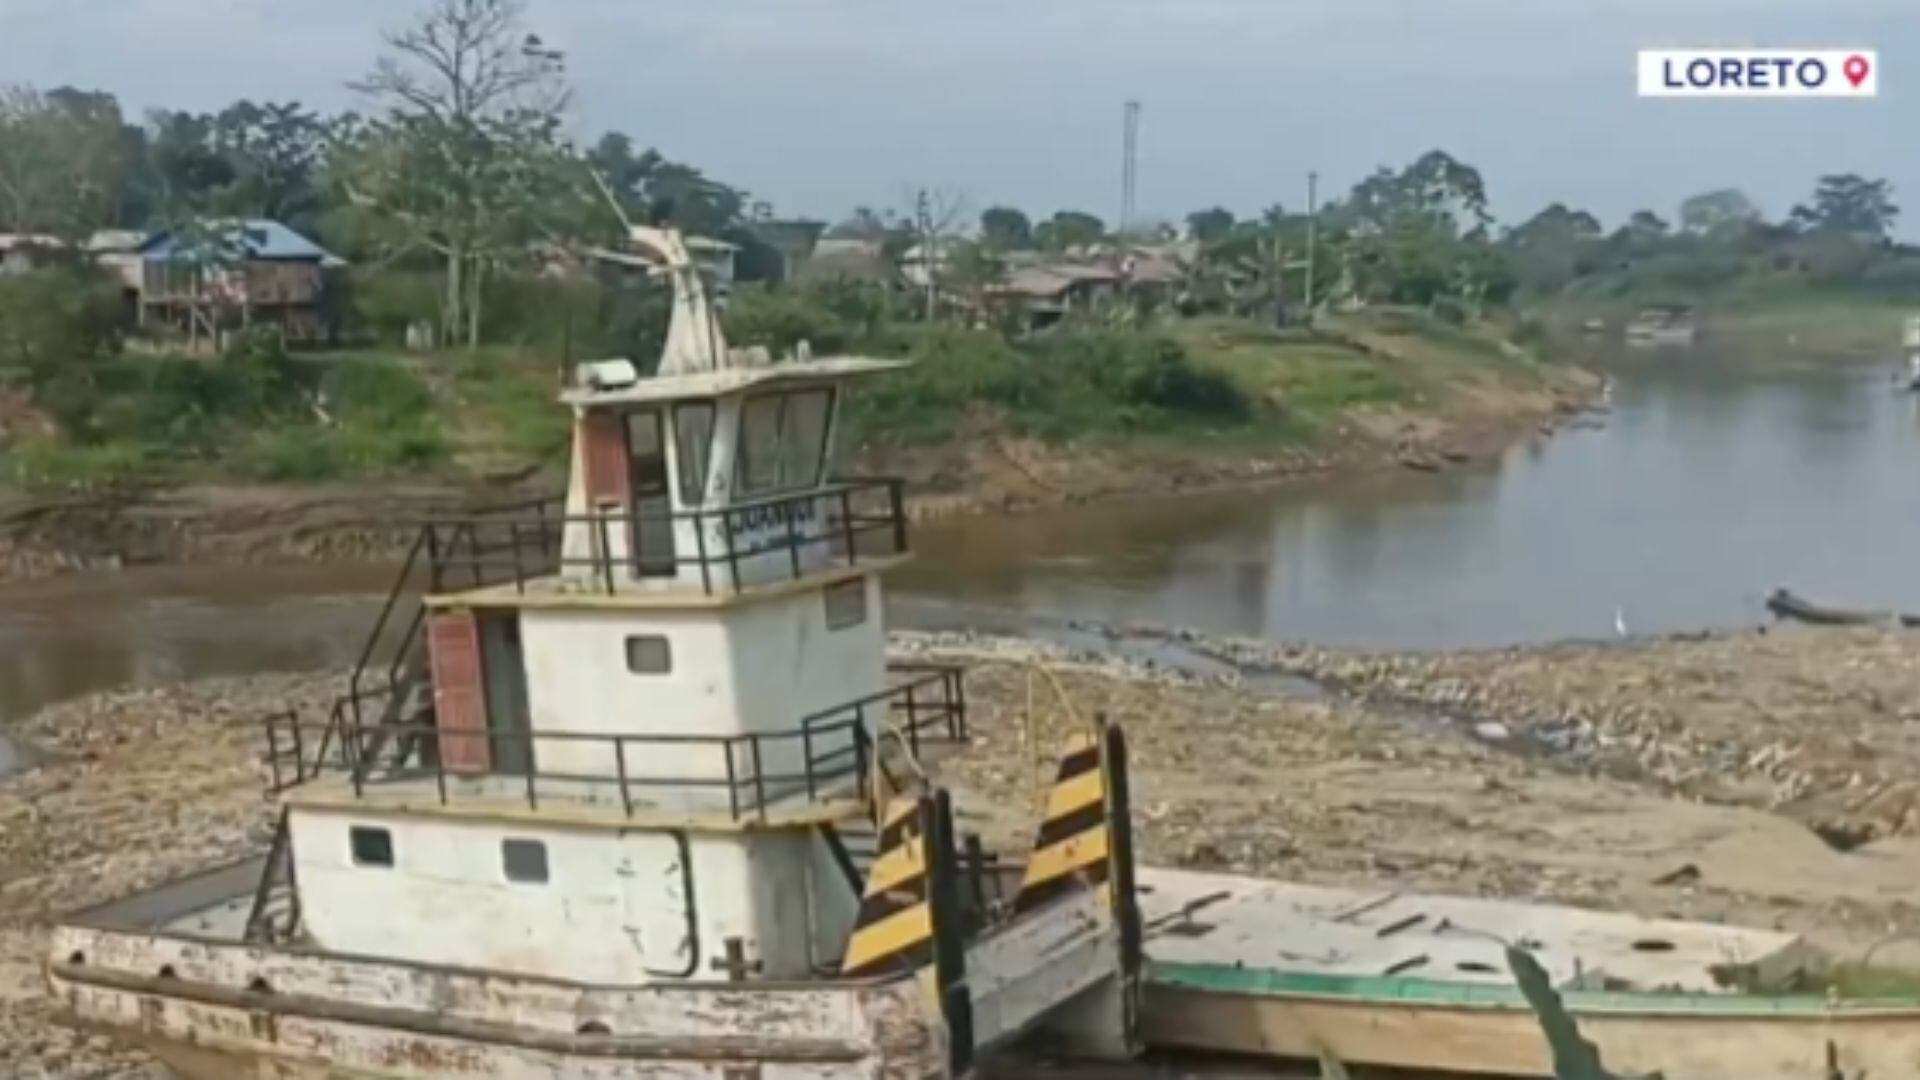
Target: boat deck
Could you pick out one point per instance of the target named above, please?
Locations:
(1222, 920)
(1197, 919)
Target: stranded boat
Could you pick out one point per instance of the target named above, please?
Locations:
(623, 788)
(1404, 981)
(634, 795)
(1663, 326)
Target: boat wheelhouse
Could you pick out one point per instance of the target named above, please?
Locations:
(624, 787)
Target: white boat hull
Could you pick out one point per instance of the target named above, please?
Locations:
(224, 1010)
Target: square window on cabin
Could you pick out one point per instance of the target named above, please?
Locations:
(525, 861)
(846, 604)
(649, 654)
(371, 847)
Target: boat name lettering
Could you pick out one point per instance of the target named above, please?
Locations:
(756, 518)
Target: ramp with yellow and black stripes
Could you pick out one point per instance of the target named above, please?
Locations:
(910, 915)
(1075, 847)
(894, 931)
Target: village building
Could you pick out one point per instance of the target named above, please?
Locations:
(22, 253)
(229, 275)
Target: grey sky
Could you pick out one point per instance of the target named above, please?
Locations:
(818, 105)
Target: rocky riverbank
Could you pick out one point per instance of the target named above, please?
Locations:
(1667, 778)
(137, 786)
(1821, 726)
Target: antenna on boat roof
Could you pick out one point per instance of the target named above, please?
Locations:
(606, 193)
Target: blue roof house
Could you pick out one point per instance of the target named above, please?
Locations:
(217, 276)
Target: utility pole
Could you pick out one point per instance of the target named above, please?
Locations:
(929, 254)
(1129, 165)
(1313, 233)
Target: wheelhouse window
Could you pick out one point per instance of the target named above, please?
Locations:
(524, 861)
(783, 441)
(693, 443)
(370, 846)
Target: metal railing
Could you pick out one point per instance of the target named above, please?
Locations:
(847, 522)
(745, 774)
(521, 542)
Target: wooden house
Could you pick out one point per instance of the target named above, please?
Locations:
(223, 276)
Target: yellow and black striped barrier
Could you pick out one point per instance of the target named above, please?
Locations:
(1086, 838)
(910, 915)
(894, 931)
(1075, 845)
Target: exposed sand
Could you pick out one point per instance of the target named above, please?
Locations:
(143, 785)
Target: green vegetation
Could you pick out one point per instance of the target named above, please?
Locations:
(253, 412)
(1065, 386)
(1827, 278)
(468, 218)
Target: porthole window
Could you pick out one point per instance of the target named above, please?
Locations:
(524, 861)
(649, 654)
(846, 604)
(371, 847)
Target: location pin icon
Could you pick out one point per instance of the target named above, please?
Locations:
(1855, 69)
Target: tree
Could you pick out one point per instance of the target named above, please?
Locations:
(1646, 226)
(183, 171)
(1720, 213)
(63, 160)
(1412, 234)
(651, 189)
(1447, 193)
(1850, 204)
(271, 152)
(1006, 228)
(1555, 226)
(935, 214)
(1069, 228)
(54, 323)
(1208, 226)
(467, 160)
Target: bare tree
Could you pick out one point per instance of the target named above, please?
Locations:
(468, 155)
(63, 160)
(937, 215)
(467, 60)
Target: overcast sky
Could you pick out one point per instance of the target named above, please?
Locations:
(818, 105)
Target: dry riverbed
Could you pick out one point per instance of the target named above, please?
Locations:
(1666, 778)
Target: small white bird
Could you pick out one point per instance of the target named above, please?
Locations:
(1620, 622)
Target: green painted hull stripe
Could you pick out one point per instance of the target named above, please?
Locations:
(1385, 990)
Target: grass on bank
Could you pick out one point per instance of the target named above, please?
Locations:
(258, 415)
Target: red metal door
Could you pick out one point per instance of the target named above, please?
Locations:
(459, 692)
(604, 454)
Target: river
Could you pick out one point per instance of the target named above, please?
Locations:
(1706, 485)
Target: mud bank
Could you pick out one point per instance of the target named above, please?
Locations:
(982, 470)
(1234, 770)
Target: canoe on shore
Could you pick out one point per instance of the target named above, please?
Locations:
(1421, 982)
(1786, 605)
(1468, 1029)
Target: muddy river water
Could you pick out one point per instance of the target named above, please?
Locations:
(1704, 486)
